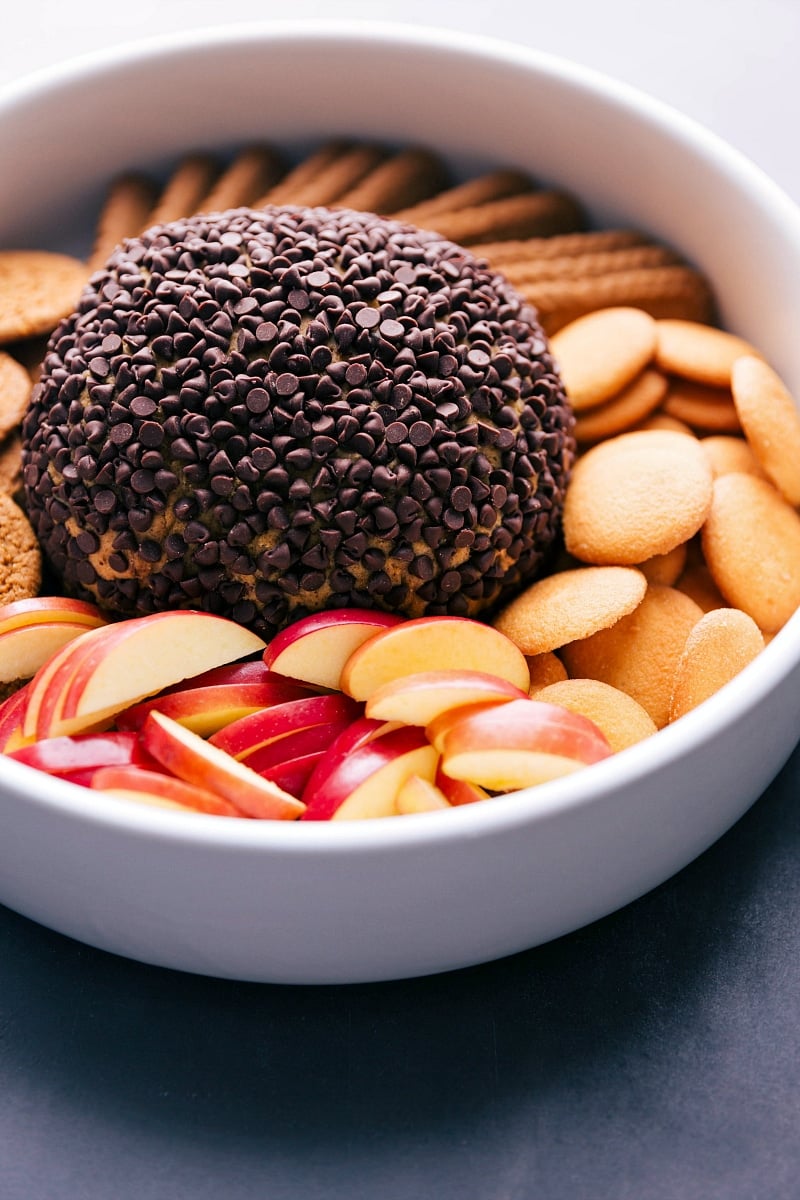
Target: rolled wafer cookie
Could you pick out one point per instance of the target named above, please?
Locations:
(287, 189)
(493, 186)
(183, 192)
(677, 291)
(586, 266)
(247, 177)
(125, 213)
(532, 214)
(340, 175)
(404, 178)
(564, 245)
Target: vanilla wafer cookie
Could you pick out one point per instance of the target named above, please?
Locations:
(531, 214)
(247, 177)
(675, 292)
(586, 266)
(705, 409)
(696, 351)
(15, 391)
(340, 176)
(770, 421)
(37, 289)
(125, 213)
(625, 410)
(564, 245)
(404, 178)
(495, 185)
(297, 178)
(185, 189)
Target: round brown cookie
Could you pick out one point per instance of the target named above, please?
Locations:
(574, 604)
(751, 542)
(602, 353)
(545, 669)
(721, 644)
(20, 557)
(639, 655)
(11, 463)
(15, 391)
(704, 409)
(37, 289)
(770, 421)
(616, 714)
(665, 568)
(630, 406)
(635, 496)
(699, 352)
(727, 454)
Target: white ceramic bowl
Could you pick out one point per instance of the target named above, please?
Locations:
(385, 899)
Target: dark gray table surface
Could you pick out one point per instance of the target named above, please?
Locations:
(655, 1054)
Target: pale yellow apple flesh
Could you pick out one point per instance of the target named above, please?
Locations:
(24, 649)
(376, 796)
(419, 795)
(419, 699)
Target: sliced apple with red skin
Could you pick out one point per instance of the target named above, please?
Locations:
(46, 610)
(139, 783)
(419, 795)
(84, 752)
(121, 664)
(206, 710)
(12, 711)
(196, 761)
(316, 647)
(419, 699)
(252, 671)
(364, 783)
(294, 774)
(432, 644)
(458, 791)
(243, 737)
(520, 744)
(295, 745)
(48, 686)
(26, 648)
(438, 728)
(362, 730)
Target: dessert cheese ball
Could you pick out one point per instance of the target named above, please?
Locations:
(264, 413)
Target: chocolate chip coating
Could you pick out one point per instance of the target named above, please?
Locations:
(266, 413)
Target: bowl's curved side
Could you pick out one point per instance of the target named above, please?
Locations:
(386, 899)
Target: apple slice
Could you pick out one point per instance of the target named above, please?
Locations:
(520, 744)
(316, 647)
(243, 737)
(458, 791)
(419, 795)
(252, 671)
(48, 685)
(432, 644)
(12, 711)
(295, 745)
(362, 730)
(84, 752)
(206, 710)
(118, 665)
(196, 761)
(440, 726)
(26, 648)
(419, 699)
(294, 774)
(45, 610)
(154, 785)
(365, 782)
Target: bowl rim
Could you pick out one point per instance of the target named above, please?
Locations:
(531, 805)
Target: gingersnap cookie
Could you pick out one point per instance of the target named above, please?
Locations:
(635, 496)
(290, 185)
(544, 669)
(37, 289)
(703, 408)
(631, 405)
(751, 542)
(531, 214)
(338, 176)
(184, 191)
(573, 604)
(404, 178)
(563, 245)
(494, 185)
(585, 266)
(721, 645)
(248, 176)
(11, 463)
(640, 654)
(699, 352)
(677, 291)
(15, 391)
(770, 421)
(602, 353)
(616, 714)
(20, 557)
(727, 454)
(125, 213)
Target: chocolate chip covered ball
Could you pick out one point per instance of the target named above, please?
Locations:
(266, 413)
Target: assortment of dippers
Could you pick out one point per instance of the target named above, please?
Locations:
(681, 539)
